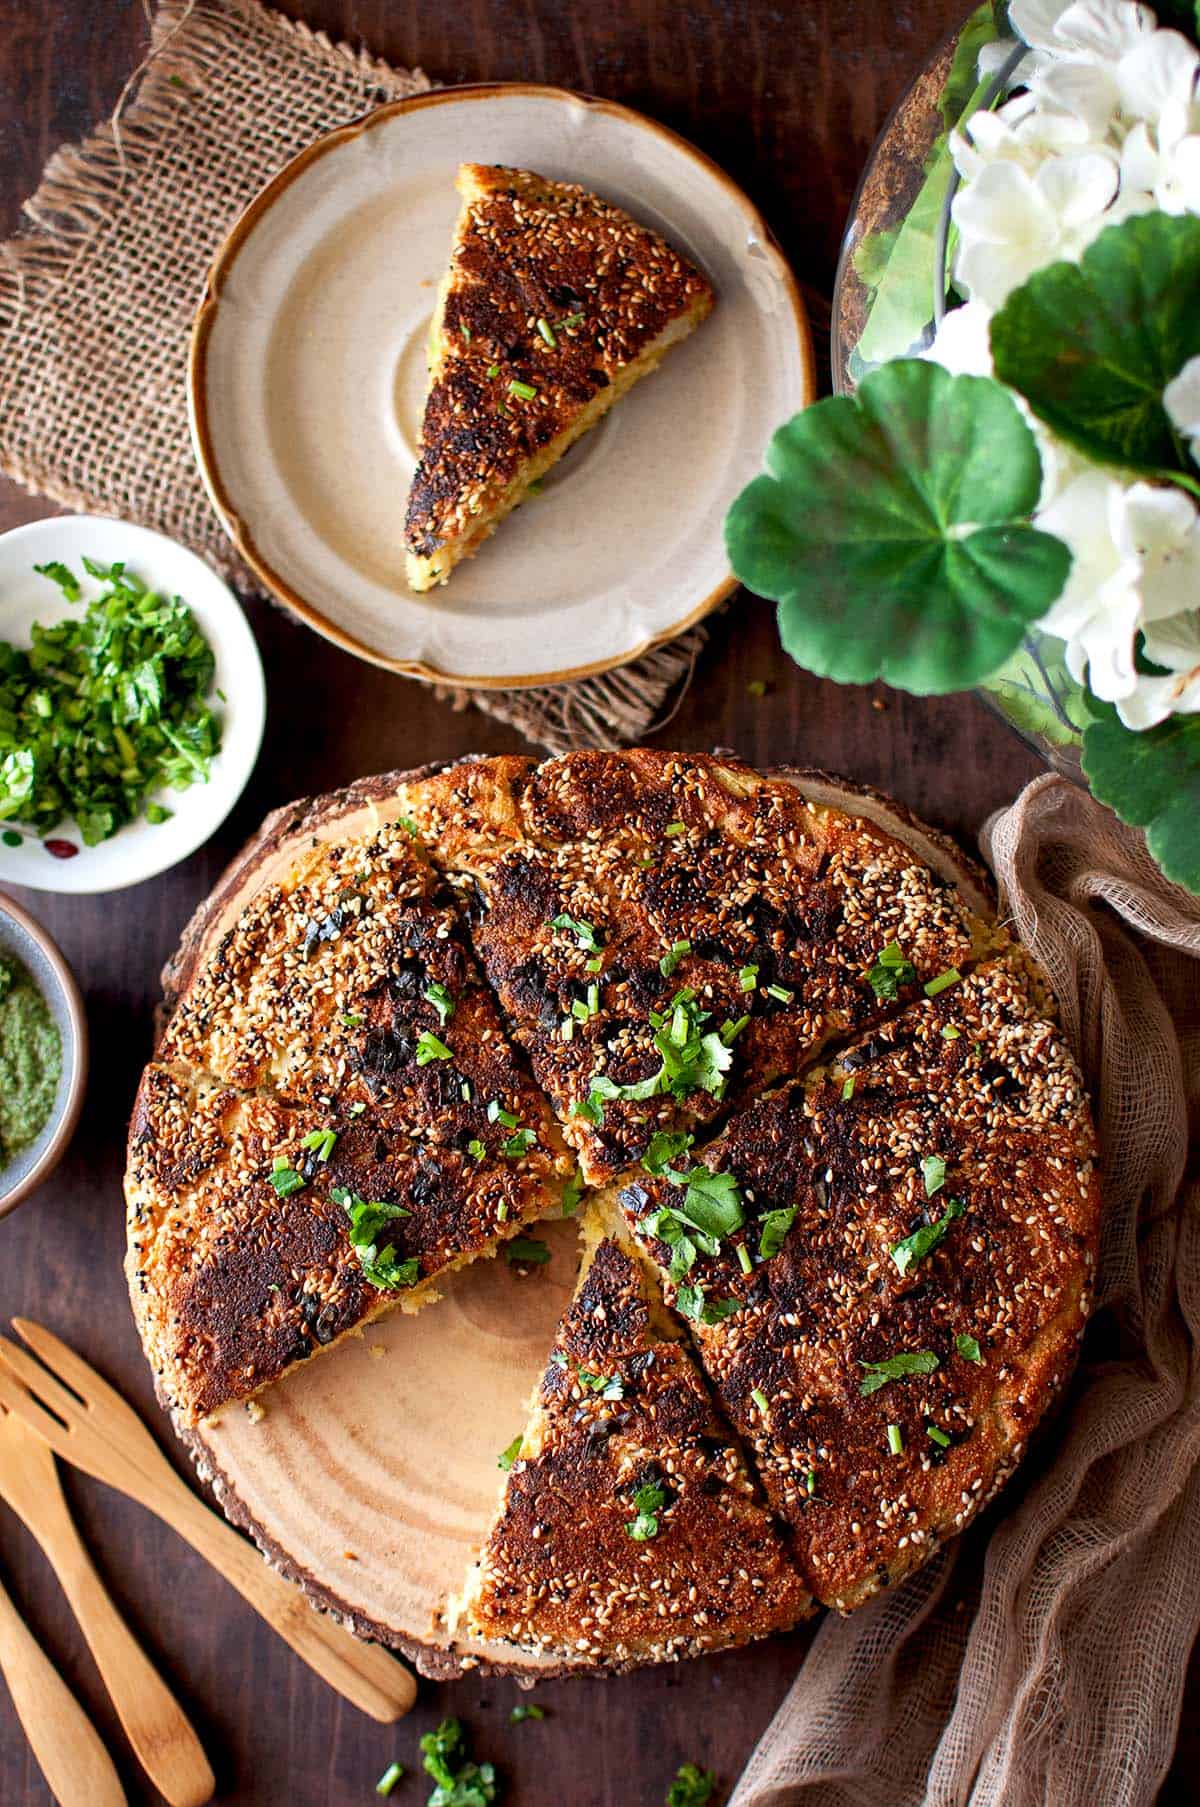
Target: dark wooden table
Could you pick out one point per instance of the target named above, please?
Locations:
(788, 99)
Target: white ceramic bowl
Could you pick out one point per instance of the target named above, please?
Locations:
(140, 849)
(28, 942)
(308, 378)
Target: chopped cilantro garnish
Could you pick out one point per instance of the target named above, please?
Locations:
(437, 995)
(810, 1482)
(389, 1778)
(475, 1147)
(525, 1711)
(526, 1251)
(890, 971)
(493, 370)
(648, 1502)
(104, 708)
(408, 824)
(937, 1435)
(780, 993)
(608, 1386)
(496, 1113)
(285, 1179)
(712, 1204)
(670, 961)
(933, 1172)
(380, 1265)
(351, 1019)
(570, 320)
(508, 1456)
(968, 1348)
(896, 1367)
(460, 1783)
(518, 1144)
(692, 1787)
(673, 829)
(692, 1059)
(693, 1304)
(950, 1033)
(922, 1242)
(943, 982)
(594, 965)
(429, 1047)
(848, 1087)
(773, 1228)
(665, 1147)
(748, 978)
(760, 1400)
(583, 932)
(320, 1142)
(524, 392)
(731, 1031)
(547, 331)
(895, 1438)
(572, 1192)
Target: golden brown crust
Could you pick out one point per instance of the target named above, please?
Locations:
(504, 389)
(620, 1409)
(1001, 1102)
(315, 1014)
(767, 907)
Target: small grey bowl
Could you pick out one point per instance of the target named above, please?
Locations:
(28, 942)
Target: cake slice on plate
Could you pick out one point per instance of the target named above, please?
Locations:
(629, 1529)
(554, 304)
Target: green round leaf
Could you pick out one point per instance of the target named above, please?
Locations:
(1091, 346)
(893, 531)
(1152, 781)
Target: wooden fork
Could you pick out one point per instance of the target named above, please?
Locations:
(66, 1744)
(87, 1423)
(165, 1744)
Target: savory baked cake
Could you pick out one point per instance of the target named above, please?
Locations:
(888, 1268)
(629, 1530)
(554, 304)
(335, 1116)
(669, 932)
(779, 1020)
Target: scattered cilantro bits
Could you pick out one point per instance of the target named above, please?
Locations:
(525, 1711)
(692, 1787)
(968, 1348)
(648, 1502)
(890, 971)
(508, 1456)
(104, 708)
(896, 1367)
(526, 1251)
(922, 1242)
(460, 1781)
(381, 1266)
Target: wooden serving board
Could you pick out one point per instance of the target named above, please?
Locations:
(371, 1475)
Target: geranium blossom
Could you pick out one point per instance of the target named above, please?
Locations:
(1107, 125)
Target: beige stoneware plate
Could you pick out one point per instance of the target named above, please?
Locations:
(307, 382)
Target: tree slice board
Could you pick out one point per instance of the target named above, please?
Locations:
(370, 1475)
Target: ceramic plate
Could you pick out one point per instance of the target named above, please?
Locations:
(141, 849)
(308, 377)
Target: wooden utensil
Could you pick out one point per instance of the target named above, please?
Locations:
(165, 1744)
(77, 1768)
(87, 1423)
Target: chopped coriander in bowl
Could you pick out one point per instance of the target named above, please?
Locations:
(131, 704)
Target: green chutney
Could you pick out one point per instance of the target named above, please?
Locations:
(30, 1059)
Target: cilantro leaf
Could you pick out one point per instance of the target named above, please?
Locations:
(63, 576)
(525, 1711)
(1152, 781)
(922, 1242)
(692, 1787)
(691, 1059)
(518, 1144)
(460, 1783)
(890, 971)
(1092, 345)
(572, 1192)
(508, 1456)
(648, 1502)
(933, 1173)
(665, 1146)
(285, 1179)
(429, 1047)
(896, 1367)
(437, 995)
(910, 505)
(968, 1348)
(381, 1266)
(526, 1251)
(582, 930)
(693, 1304)
(712, 1202)
(773, 1229)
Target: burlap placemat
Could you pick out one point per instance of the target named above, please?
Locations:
(1039, 1662)
(97, 298)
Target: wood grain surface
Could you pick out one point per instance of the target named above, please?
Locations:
(788, 98)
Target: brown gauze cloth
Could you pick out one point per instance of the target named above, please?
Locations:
(97, 299)
(1041, 1658)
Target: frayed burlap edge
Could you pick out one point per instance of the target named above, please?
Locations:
(82, 187)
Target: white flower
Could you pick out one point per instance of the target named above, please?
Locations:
(1175, 644)
(962, 344)
(1181, 399)
(1135, 559)
(1100, 29)
(1160, 71)
(1011, 223)
(1164, 161)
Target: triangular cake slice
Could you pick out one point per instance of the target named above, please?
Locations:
(888, 1267)
(629, 1530)
(335, 1119)
(554, 304)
